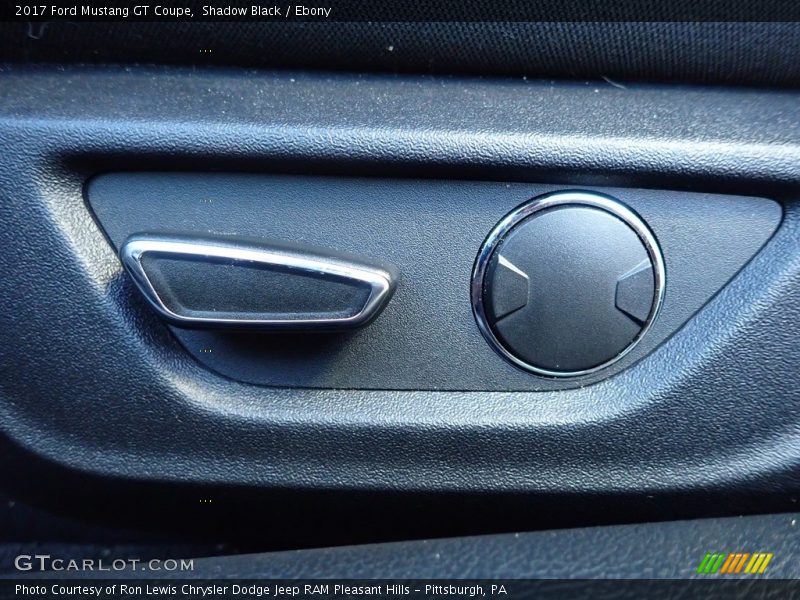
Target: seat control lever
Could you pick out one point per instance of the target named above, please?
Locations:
(235, 282)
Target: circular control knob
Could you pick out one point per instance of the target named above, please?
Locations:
(567, 284)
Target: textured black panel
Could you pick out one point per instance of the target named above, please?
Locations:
(91, 380)
(432, 230)
(688, 51)
(647, 551)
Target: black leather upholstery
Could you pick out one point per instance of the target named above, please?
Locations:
(646, 551)
(720, 52)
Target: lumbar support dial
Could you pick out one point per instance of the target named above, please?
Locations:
(567, 283)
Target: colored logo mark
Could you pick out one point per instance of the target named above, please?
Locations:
(735, 562)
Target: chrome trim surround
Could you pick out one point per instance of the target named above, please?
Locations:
(542, 203)
(381, 281)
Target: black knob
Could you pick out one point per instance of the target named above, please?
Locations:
(568, 283)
